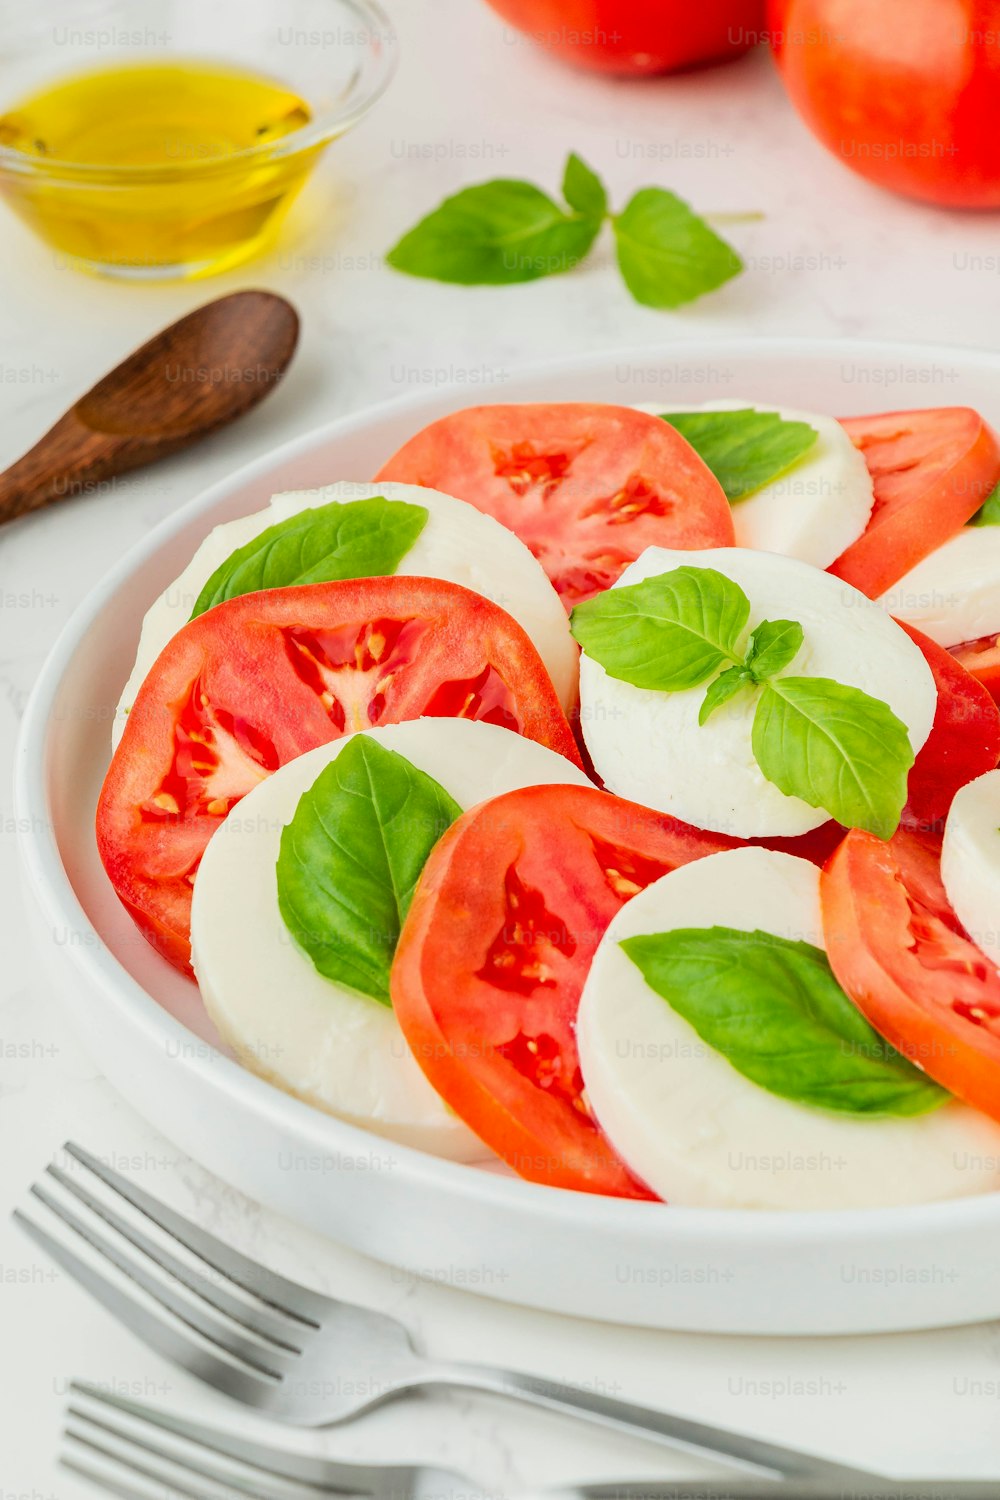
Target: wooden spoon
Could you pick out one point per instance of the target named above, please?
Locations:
(194, 377)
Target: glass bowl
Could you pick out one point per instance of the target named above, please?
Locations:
(200, 212)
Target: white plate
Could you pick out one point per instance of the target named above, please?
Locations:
(643, 1263)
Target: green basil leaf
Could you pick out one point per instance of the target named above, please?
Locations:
(836, 748)
(666, 633)
(666, 253)
(722, 689)
(773, 645)
(988, 513)
(345, 539)
(351, 857)
(495, 234)
(583, 189)
(774, 1010)
(744, 449)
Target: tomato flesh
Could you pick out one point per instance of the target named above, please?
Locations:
(964, 741)
(816, 846)
(981, 659)
(493, 956)
(931, 471)
(586, 487)
(899, 951)
(262, 678)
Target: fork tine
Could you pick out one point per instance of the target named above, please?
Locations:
(262, 1320)
(158, 1475)
(242, 1384)
(286, 1296)
(109, 1485)
(199, 1468)
(346, 1478)
(261, 1358)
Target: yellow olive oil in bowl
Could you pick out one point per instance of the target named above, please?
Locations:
(178, 152)
(157, 168)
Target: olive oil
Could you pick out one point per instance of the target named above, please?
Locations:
(156, 168)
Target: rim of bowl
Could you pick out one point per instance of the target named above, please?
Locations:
(321, 129)
(51, 887)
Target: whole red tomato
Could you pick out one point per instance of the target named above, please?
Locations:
(638, 36)
(906, 92)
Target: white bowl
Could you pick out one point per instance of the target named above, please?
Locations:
(642, 1263)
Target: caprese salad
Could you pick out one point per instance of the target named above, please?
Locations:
(607, 792)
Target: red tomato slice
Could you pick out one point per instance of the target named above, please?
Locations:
(258, 680)
(586, 487)
(931, 471)
(493, 956)
(898, 950)
(981, 659)
(964, 741)
(817, 845)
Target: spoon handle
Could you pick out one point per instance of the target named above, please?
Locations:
(210, 367)
(71, 459)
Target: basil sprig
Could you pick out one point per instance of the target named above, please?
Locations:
(773, 645)
(773, 1009)
(833, 746)
(744, 449)
(351, 857)
(345, 539)
(506, 231)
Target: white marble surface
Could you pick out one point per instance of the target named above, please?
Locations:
(830, 256)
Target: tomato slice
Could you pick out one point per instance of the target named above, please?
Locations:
(816, 846)
(899, 951)
(586, 487)
(931, 471)
(964, 741)
(492, 959)
(981, 659)
(258, 680)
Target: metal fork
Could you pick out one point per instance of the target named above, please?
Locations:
(312, 1360)
(124, 1443)
(105, 1448)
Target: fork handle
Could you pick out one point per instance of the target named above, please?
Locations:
(767, 1459)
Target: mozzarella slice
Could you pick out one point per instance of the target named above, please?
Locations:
(341, 1051)
(970, 861)
(649, 747)
(700, 1133)
(953, 594)
(818, 507)
(458, 543)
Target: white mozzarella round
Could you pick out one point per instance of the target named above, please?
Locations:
(699, 1132)
(333, 1047)
(459, 544)
(818, 507)
(953, 594)
(648, 746)
(970, 861)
